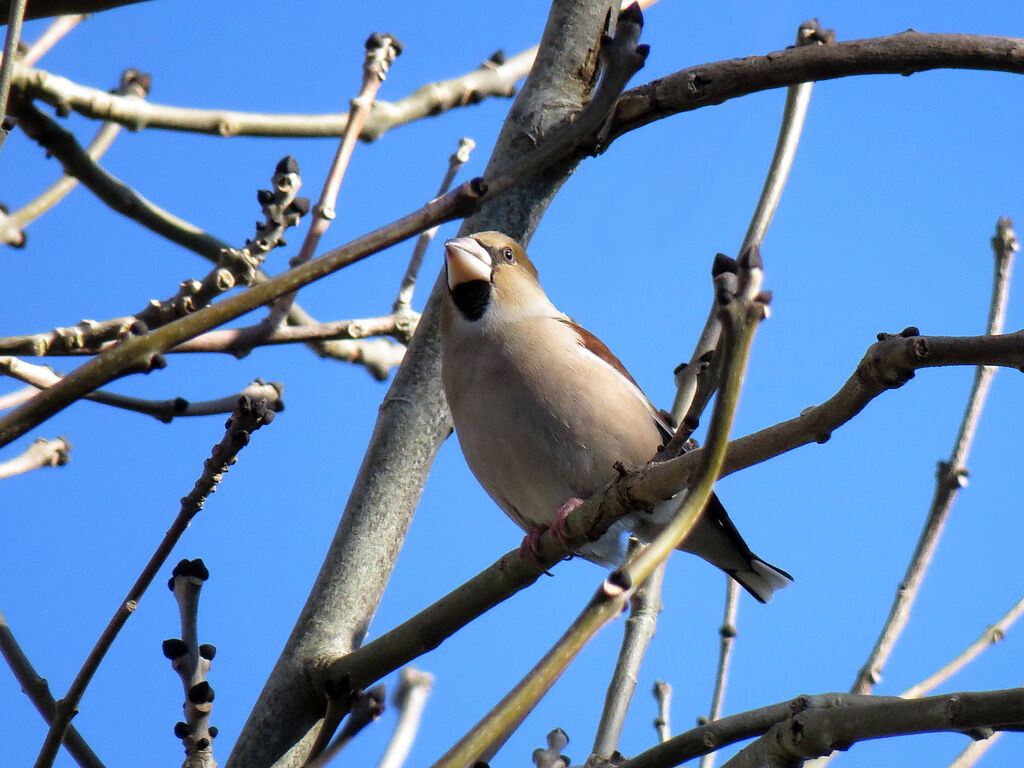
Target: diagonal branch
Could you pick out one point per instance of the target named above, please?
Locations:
(952, 474)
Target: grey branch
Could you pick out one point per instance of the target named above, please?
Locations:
(496, 77)
(727, 637)
(41, 453)
(904, 54)
(992, 635)
(38, 690)
(645, 605)
(663, 720)
(951, 476)
(409, 699)
(863, 717)
(43, 377)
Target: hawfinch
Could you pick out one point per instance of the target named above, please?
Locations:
(544, 410)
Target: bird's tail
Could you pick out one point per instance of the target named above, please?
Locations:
(716, 539)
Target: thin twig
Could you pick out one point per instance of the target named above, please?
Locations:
(409, 699)
(252, 412)
(17, 397)
(727, 633)
(41, 453)
(645, 605)
(10, 55)
(663, 720)
(697, 380)
(381, 51)
(458, 158)
(992, 635)
(951, 476)
(52, 35)
(12, 226)
(38, 691)
(365, 709)
(974, 751)
(43, 377)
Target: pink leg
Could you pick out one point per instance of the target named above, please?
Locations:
(558, 525)
(529, 547)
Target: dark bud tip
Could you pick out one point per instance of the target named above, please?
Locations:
(643, 50)
(708, 356)
(181, 730)
(287, 164)
(398, 45)
(195, 569)
(723, 264)
(910, 331)
(173, 648)
(213, 731)
(632, 14)
(264, 197)
(300, 206)
(144, 80)
(208, 651)
(620, 579)
(337, 688)
(203, 744)
(478, 185)
(497, 58)
(8, 123)
(200, 693)
(679, 369)
(764, 297)
(690, 423)
(157, 361)
(180, 406)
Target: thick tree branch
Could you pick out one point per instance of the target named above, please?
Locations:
(41, 453)
(901, 54)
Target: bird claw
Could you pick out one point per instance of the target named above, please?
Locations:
(559, 526)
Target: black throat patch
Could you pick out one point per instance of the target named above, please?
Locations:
(471, 298)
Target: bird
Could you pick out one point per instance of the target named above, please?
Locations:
(545, 413)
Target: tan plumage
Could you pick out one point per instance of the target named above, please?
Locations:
(543, 410)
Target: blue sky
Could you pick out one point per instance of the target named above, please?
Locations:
(885, 223)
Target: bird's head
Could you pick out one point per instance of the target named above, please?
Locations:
(490, 271)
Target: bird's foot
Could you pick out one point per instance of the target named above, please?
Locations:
(530, 547)
(559, 528)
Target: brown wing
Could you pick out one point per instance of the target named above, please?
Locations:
(595, 346)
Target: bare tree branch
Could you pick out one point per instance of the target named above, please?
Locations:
(15, 14)
(496, 77)
(663, 721)
(50, 37)
(992, 635)
(952, 474)
(816, 732)
(253, 410)
(645, 605)
(862, 717)
(43, 377)
(727, 632)
(42, 453)
(409, 699)
(903, 54)
(38, 692)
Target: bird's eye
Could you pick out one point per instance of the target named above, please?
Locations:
(508, 254)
